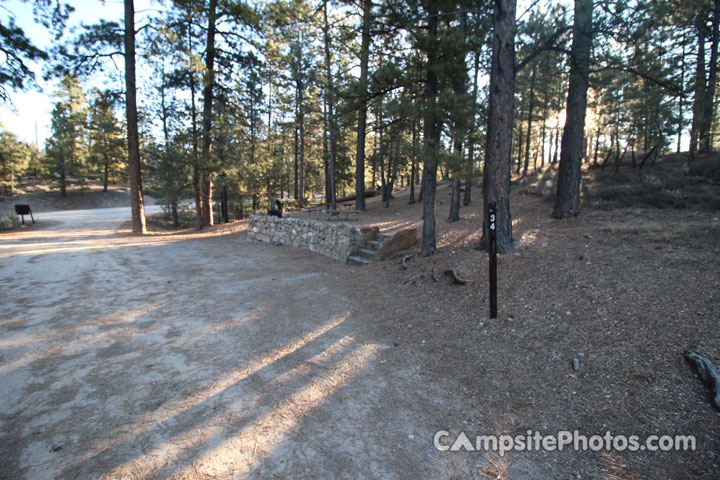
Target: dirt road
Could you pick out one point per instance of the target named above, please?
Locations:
(202, 357)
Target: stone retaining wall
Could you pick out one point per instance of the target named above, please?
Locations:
(334, 240)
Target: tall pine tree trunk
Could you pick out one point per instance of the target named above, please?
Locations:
(455, 201)
(681, 97)
(529, 122)
(459, 84)
(542, 141)
(136, 197)
(63, 178)
(106, 166)
(296, 148)
(413, 163)
(301, 153)
(326, 148)
(194, 127)
(700, 89)
(207, 177)
(501, 109)
(431, 133)
(597, 145)
(330, 96)
(471, 140)
(709, 100)
(567, 202)
(521, 136)
(362, 107)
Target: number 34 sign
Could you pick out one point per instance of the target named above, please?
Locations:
(492, 253)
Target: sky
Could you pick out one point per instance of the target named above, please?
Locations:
(33, 107)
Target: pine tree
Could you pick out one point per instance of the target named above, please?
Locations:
(496, 172)
(66, 146)
(107, 147)
(567, 202)
(15, 158)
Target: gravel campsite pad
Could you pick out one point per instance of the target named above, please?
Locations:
(207, 355)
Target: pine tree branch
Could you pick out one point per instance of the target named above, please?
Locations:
(548, 44)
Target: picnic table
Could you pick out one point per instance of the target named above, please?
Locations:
(334, 210)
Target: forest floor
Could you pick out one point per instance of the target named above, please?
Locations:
(206, 355)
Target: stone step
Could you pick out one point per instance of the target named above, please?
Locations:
(374, 244)
(368, 253)
(358, 261)
(368, 244)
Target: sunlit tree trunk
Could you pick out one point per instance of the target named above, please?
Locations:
(567, 202)
(136, 198)
(207, 177)
(529, 122)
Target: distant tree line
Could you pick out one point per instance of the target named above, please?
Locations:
(243, 102)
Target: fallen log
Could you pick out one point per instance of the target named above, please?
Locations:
(413, 278)
(404, 259)
(708, 374)
(455, 277)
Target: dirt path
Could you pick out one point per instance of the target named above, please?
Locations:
(202, 357)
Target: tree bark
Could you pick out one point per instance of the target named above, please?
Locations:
(501, 109)
(597, 145)
(567, 202)
(63, 180)
(455, 201)
(193, 117)
(106, 169)
(330, 95)
(392, 174)
(362, 107)
(301, 155)
(431, 134)
(136, 197)
(529, 122)
(224, 205)
(519, 149)
(381, 150)
(542, 141)
(709, 100)
(459, 84)
(467, 199)
(700, 89)
(207, 177)
(681, 97)
(413, 163)
(296, 148)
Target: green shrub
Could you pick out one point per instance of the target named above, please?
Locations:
(706, 167)
(9, 221)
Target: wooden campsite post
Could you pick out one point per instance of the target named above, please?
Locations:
(492, 253)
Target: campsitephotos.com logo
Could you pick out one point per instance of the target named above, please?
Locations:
(563, 440)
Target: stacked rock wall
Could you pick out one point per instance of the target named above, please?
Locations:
(334, 240)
